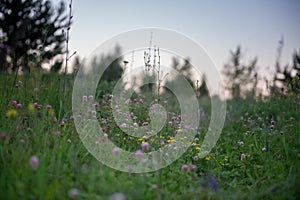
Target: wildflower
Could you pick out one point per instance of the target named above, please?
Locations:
(138, 154)
(184, 168)
(84, 98)
(198, 148)
(72, 118)
(11, 113)
(37, 106)
(195, 158)
(34, 162)
(116, 151)
(69, 141)
(19, 105)
(264, 149)
(145, 146)
(14, 103)
(54, 120)
(73, 193)
(243, 157)
(104, 137)
(3, 136)
(123, 125)
(57, 134)
(96, 104)
(241, 143)
(48, 107)
(145, 124)
(207, 158)
(292, 119)
(213, 184)
(62, 124)
(30, 107)
(22, 141)
(91, 97)
(193, 167)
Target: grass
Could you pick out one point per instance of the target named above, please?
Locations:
(265, 131)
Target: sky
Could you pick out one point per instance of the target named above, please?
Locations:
(218, 26)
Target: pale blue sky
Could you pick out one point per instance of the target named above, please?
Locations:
(217, 25)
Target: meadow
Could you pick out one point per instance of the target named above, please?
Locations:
(42, 156)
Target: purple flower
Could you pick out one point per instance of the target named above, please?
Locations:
(145, 146)
(34, 162)
(91, 97)
(84, 98)
(193, 167)
(19, 106)
(116, 151)
(145, 124)
(69, 141)
(72, 118)
(184, 168)
(96, 104)
(195, 158)
(36, 105)
(14, 103)
(48, 107)
(241, 143)
(213, 184)
(139, 154)
(3, 136)
(57, 134)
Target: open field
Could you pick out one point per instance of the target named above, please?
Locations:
(42, 156)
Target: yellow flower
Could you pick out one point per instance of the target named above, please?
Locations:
(179, 130)
(198, 148)
(30, 107)
(207, 158)
(141, 140)
(11, 113)
(171, 141)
